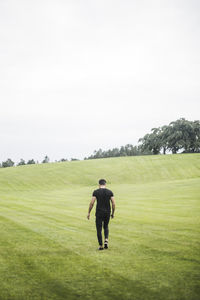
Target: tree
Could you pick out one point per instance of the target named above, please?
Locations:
(164, 132)
(30, 162)
(63, 159)
(181, 136)
(8, 163)
(46, 160)
(151, 141)
(22, 162)
(195, 145)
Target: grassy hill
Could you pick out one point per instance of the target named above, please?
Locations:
(48, 249)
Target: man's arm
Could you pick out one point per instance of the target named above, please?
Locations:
(91, 206)
(113, 206)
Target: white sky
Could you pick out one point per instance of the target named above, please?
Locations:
(76, 76)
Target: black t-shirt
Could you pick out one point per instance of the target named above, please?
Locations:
(103, 196)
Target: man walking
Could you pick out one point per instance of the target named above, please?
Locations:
(103, 197)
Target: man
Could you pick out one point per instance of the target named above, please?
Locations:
(103, 197)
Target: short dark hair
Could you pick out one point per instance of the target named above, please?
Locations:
(102, 181)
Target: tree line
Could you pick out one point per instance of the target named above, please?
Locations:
(127, 150)
(22, 162)
(179, 136)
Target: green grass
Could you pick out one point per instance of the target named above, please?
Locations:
(48, 249)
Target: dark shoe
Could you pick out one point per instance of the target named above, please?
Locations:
(101, 248)
(106, 245)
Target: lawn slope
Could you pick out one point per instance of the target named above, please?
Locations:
(48, 249)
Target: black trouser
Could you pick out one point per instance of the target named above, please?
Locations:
(102, 218)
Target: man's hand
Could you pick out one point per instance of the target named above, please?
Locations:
(112, 216)
(88, 216)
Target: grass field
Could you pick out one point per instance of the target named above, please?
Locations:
(48, 249)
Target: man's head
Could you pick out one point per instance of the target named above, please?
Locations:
(102, 182)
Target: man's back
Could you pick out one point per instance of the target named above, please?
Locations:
(103, 196)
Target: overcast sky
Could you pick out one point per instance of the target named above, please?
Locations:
(76, 76)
